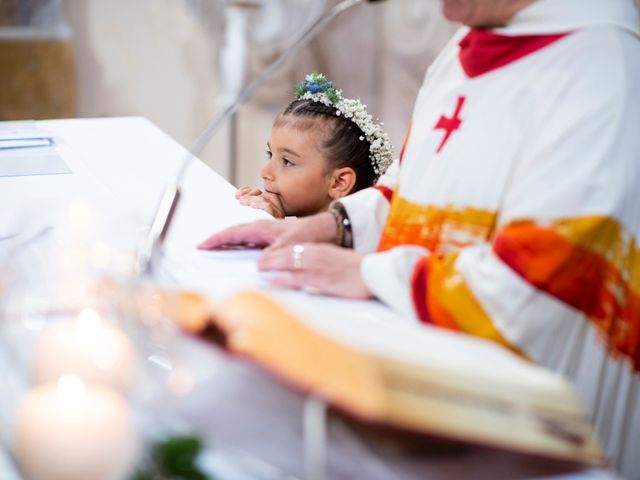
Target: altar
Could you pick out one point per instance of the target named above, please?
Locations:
(253, 424)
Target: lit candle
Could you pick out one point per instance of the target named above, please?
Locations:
(87, 347)
(69, 431)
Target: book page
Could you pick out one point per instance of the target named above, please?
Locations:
(372, 327)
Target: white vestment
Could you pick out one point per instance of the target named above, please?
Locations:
(515, 213)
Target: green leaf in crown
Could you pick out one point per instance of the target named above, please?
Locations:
(317, 83)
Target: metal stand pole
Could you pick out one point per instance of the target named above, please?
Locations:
(315, 438)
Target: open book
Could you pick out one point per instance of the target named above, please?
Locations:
(530, 410)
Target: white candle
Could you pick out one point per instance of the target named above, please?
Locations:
(87, 347)
(69, 431)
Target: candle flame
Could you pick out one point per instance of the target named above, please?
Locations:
(70, 391)
(88, 325)
(89, 329)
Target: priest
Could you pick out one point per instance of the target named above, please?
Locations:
(514, 212)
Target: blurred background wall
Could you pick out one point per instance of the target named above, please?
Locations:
(37, 69)
(161, 59)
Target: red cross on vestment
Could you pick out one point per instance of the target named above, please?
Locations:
(449, 124)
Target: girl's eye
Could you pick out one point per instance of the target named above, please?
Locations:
(269, 154)
(287, 163)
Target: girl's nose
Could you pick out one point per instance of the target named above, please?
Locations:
(267, 173)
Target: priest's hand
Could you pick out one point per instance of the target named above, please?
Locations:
(317, 268)
(278, 233)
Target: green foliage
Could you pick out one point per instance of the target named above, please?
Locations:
(300, 89)
(173, 459)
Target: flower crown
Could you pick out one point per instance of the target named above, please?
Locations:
(317, 88)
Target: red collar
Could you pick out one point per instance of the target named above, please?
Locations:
(482, 51)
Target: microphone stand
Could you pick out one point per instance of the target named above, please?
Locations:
(152, 246)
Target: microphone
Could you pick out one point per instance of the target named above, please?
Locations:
(152, 245)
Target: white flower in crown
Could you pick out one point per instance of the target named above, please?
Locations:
(317, 88)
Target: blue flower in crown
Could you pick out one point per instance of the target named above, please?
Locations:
(318, 88)
(316, 83)
(314, 87)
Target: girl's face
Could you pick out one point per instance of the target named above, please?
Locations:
(296, 169)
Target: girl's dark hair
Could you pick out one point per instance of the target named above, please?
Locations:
(342, 147)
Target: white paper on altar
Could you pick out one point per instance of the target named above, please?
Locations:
(24, 130)
(24, 143)
(41, 160)
(217, 274)
(27, 149)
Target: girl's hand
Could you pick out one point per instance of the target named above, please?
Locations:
(317, 268)
(247, 191)
(269, 202)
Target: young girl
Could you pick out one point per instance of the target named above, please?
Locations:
(322, 147)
